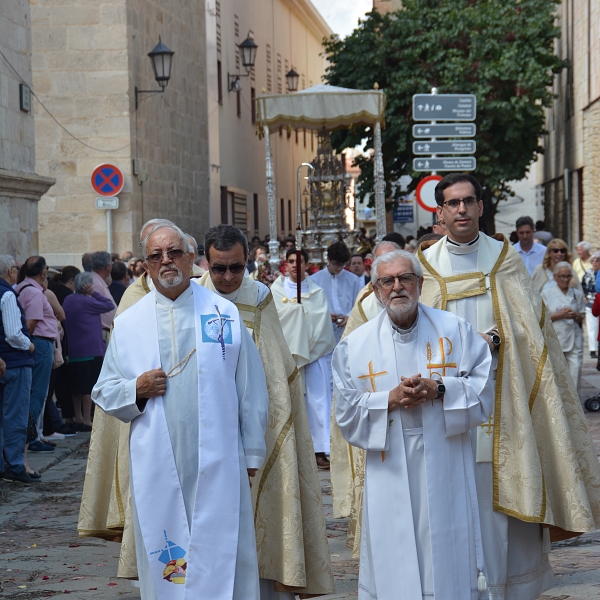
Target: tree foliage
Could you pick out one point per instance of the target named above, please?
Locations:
(500, 50)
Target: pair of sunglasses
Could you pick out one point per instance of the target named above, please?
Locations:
(233, 269)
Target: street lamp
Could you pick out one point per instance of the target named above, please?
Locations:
(162, 60)
(248, 50)
(292, 80)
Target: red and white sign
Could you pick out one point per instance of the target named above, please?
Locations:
(426, 192)
(107, 180)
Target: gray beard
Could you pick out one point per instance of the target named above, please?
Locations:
(177, 280)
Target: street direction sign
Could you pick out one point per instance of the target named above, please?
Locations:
(444, 164)
(449, 147)
(107, 180)
(107, 202)
(444, 107)
(426, 192)
(445, 130)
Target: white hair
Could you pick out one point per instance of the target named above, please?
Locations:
(152, 223)
(595, 255)
(585, 245)
(6, 262)
(193, 243)
(389, 257)
(563, 265)
(182, 236)
(82, 279)
(384, 244)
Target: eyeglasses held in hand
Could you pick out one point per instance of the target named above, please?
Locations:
(406, 279)
(233, 269)
(468, 202)
(175, 254)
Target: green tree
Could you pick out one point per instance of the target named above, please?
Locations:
(500, 50)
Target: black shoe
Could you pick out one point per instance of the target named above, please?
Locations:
(23, 477)
(67, 429)
(83, 427)
(593, 355)
(38, 446)
(35, 476)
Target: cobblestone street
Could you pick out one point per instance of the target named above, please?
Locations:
(42, 557)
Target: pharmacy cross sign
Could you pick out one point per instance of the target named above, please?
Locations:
(107, 180)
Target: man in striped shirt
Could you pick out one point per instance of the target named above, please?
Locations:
(16, 350)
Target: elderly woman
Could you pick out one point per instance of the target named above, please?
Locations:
(86, 346)
(566, 306)
(556, 251)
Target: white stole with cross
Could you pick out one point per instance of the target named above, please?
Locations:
(488, 253)
(198, 563)
(448, 459)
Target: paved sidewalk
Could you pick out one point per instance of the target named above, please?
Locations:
(42, 557)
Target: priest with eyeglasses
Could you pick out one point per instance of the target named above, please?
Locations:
(183, 369)
(409, 385)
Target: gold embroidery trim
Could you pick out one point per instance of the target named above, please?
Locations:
(271, 462)
(540, 369)
(293, 376)
(436, 276)
(145, 284)
(246, 307)
(360, 308)
(118, 490)
(249, 324)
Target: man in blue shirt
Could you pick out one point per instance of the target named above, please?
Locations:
(531, 252)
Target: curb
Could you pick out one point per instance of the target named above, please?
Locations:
(41, 462)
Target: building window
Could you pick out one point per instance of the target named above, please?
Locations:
(269, 73)
(281, 131)
(304, 132)
(279, 75)
(256, 214)
(253, 104)
(218, 20)
(287, 70)
(219, 82)
(282, 214)
(296, 136)
(312, 140)
(238, 98)
(224, 206)
(290, 216)
(240, 211)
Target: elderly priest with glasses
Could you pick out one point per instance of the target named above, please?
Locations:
(409, 386)
(184, 370)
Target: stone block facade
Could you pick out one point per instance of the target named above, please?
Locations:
(591, 178)
(20, 187)
(89, 56)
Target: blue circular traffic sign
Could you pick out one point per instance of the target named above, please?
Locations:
(107, 180)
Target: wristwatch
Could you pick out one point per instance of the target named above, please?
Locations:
(441, 389)
(495, 339)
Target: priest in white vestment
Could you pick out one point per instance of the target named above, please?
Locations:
(341, 287)
(184, 371)
(409, 386)
(308, 334)
(538, 427)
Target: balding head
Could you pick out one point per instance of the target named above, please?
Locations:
(384, 248)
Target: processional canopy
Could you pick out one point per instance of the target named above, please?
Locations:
(324, 108)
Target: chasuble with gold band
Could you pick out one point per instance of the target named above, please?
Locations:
(535, 400)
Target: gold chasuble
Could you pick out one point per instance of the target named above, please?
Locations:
(348, 462)
(291, 537)
(545, 468)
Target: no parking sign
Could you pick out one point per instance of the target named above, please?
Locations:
(107, 180)
(426, 192)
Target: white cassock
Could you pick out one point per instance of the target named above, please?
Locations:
(516, 552)
(341, 291)
(567, 330)
(420, 526)
(311, 341)
(184, 445)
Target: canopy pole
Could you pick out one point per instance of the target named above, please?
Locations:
(379, 183)
(273, 243)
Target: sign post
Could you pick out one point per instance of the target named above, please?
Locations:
(107, 181)
(436, 107)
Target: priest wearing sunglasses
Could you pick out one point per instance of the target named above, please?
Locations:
(290, 561)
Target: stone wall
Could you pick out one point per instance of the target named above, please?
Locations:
(89, 55)
(20, 188)
(591, 174)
